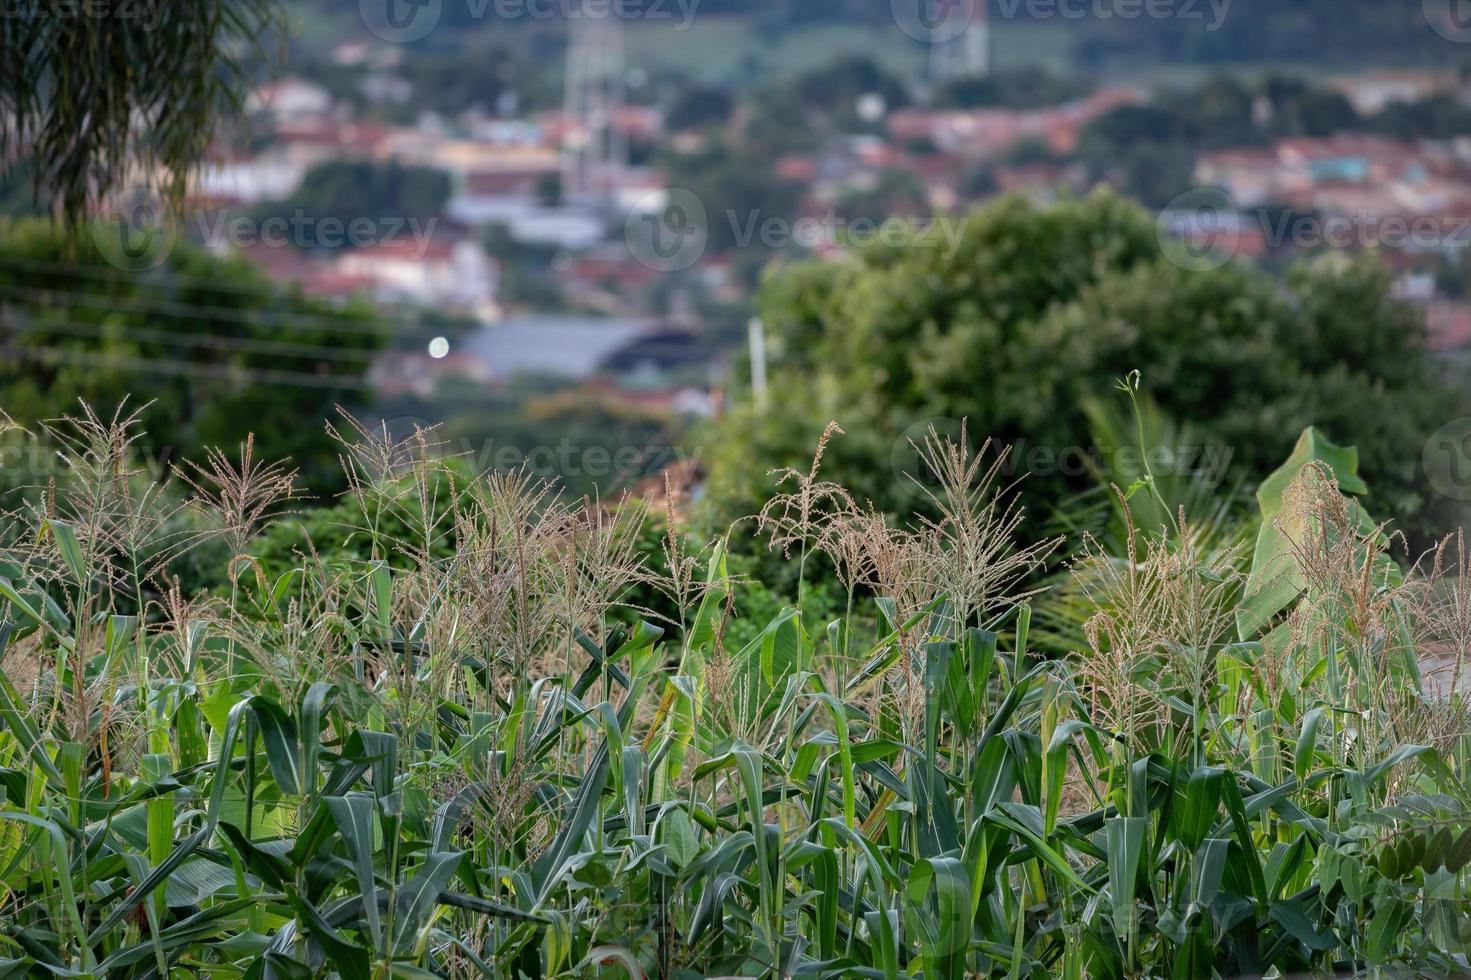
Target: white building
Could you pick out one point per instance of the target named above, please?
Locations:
(453, 275)
(290, 100)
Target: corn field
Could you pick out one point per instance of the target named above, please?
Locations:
(513, 743)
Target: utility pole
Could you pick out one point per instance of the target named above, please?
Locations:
(962, 48)
(756, 338)
(594, 147)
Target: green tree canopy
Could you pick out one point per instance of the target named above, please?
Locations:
(214, 349)
(1037, 310)
(88, 89)
(349, 189)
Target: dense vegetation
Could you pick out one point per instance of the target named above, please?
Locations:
(211, 346)
(453, 748)
(392, 193)
(1103, 35)
(1033, 311)
(88, 91)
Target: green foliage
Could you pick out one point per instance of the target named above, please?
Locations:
(1010, 88)
(735, 183)
(1038, 309)
(212, 348)
(698, 107)
(1435, 117)
(463, 761)
(453, 81)
(346, 190)
(834, 89)
(88, 90)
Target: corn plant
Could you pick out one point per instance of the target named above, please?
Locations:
(494, 764)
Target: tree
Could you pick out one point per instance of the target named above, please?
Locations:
(738, 191)
(345, 190)
(214, 350)
(778, 124)
(1147, 151)
(1316, 113)
(1038, 310)
(1028, 87)
(479, 75)
(895, 192)
(835, 87)
(699, 106)
(1436, 117)
(88, 89)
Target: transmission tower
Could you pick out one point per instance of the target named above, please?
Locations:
(594, 148)
(962, 44)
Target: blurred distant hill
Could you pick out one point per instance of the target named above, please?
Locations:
(732, 40)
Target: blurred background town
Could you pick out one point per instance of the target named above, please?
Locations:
(436, 211)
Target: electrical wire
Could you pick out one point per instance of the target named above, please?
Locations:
(239, 345)
(268, 319)
(225, 314)
(268, 287)
(215, 372)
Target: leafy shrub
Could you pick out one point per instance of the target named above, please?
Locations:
(212, 349)
(1039, 309)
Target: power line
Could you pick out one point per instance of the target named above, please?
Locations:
(163, 307)
(226, 314)
(243, 345)
(268, 288)
(217, 372)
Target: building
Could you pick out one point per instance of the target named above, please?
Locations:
(448, 274)
(290, 100)
(1370, 92)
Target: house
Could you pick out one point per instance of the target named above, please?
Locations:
(988, 133)
(629, 121)
(1371, 91)
(290, 100)
(573, 348)
(1449, 324)
(312, 274)
(312, 142)
(244, 178)
(447, 273)
(364, 54)
(1250, 176)
(1042, 181)
(1349, 157)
